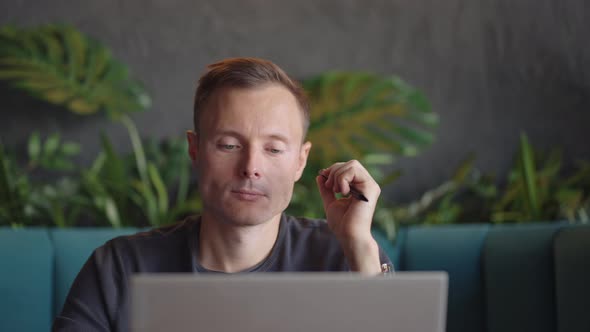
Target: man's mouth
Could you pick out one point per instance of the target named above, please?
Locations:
(248, 194)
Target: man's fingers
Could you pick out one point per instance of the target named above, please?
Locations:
(343, 176)
(326, 193)
(348, 175)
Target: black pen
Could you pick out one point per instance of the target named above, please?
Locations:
(353, 192)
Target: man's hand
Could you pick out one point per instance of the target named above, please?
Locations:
(350, 219)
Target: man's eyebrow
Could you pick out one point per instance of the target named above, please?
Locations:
(228, 133)
(233, 133)
(279, 137)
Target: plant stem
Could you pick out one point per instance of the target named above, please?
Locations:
(183, 182)
(137, 148)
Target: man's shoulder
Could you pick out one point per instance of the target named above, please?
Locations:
(153, 244)
(158, 234)
(162, 249)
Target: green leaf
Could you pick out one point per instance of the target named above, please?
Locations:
(183, 183)
(464, 170)
(355, 114)
(60, 164)
(161, 191)
(57, 215)
(569, 202)
(75, 47)
(378, 159)
(51, 145)
(34, 146)
(529, 174)
(98, 163)
(98, 63)
(416, 136)
(10, 203)
(60, 65)
(419, 101)
(113, 168)
(138, 151)
(112, 212)
(49, 38)
(390, 178)
(70, 149)
(147, 202)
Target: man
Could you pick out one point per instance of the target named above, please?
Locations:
(248, 149)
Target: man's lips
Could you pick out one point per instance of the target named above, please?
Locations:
(248, 194)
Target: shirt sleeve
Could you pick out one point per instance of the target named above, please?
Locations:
(97, 297)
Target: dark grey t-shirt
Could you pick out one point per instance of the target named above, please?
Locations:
(98, 298)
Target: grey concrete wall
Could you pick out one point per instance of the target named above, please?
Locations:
(491, 68)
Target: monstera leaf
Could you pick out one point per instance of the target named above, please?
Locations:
(355, 115)
(60, 65)
(361, 116)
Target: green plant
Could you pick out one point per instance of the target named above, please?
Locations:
(355, 116)
(11, 207)
(109, 192)
(536, 190)
(542, 192)
(361, 116)
(60, 65)
(24, 201)
(439, 205)
(122, 197)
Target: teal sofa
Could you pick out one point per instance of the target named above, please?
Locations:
(529, 277)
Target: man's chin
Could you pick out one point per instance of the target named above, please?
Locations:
(245, 217)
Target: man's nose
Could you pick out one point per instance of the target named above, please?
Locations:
(251, 165)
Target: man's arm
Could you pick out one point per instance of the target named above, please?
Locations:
(362, 255)
(350, 218)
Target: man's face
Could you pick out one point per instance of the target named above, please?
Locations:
(248, 153)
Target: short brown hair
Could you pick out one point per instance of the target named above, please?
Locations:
(246, 73)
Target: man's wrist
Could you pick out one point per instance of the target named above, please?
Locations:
(362, 255)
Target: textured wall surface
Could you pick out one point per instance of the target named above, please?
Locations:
(491, 68)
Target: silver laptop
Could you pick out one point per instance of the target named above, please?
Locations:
(289, 302)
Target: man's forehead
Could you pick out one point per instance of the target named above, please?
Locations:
(272, 97)
(229, 105)
(275, 90)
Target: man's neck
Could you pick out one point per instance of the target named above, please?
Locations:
(229, 248)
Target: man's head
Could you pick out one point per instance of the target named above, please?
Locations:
(248, 146)
(246, 73)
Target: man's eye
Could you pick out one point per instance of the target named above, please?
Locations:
(274, 151)
(228, 146)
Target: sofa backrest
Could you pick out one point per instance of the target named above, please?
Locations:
(501, 278)
(455, 249)
(571, 254)
(518, 273)
(26, 289)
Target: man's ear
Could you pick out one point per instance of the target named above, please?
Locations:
(302, 161)
(193, 145)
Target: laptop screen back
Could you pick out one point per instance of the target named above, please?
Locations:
(289, 302)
